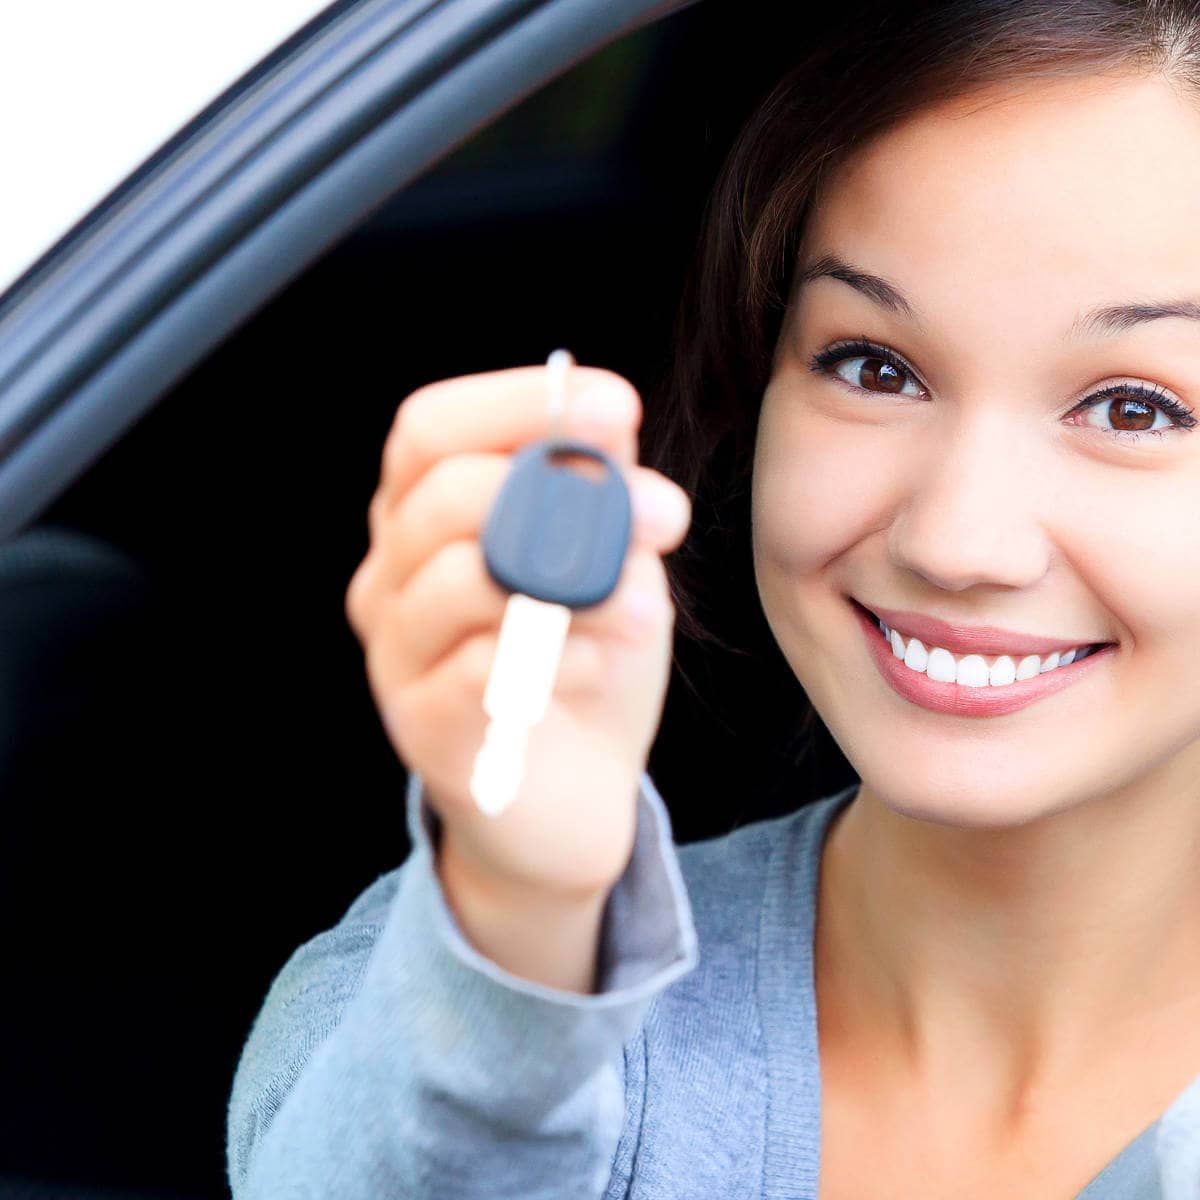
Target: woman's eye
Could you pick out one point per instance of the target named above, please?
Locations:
(877, 375)
(1127, 410)
(872, 369)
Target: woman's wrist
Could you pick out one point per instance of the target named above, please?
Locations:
(532, 933)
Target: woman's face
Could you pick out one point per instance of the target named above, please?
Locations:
(970, 483)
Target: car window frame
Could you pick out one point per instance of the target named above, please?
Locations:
(246, 197)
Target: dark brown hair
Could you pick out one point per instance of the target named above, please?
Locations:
(867, 68)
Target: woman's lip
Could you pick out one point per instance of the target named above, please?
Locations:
(969, 639)
(958, 699)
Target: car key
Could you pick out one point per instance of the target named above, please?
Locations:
(557, 542)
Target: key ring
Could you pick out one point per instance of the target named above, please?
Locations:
(558, 365)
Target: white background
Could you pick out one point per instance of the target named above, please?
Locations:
(90, 88)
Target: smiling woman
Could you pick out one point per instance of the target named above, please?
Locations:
(935, 387)
(1006, 440)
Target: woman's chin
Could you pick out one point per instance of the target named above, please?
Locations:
(966, 799)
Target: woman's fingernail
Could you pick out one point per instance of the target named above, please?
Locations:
(603, 403)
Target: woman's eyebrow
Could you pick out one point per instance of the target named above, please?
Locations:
(874, 287)
(1104, 321)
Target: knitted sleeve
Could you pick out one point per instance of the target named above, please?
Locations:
(391, 1058)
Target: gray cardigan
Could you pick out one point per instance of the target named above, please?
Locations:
(392, 1061)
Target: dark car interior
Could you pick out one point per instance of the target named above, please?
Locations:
(195, 779)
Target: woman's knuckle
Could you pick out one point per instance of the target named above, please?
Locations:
(396, 434)
(414, 430)
(377, 516)
(411, 404)
(418, 432)
(355, 600)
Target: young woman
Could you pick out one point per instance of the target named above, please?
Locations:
(942, 350)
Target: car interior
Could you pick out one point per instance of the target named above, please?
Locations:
(195, 777)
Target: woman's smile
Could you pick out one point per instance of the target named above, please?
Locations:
(971, 685)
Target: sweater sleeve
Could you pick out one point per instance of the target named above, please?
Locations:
(391, 1058)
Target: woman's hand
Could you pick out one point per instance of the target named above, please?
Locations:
(428, 616)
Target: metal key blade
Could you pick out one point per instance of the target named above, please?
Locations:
(499, 767)
(517, 696)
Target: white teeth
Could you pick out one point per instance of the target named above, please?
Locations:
(942, 666)
(916, 656)
(972, 670)
(1003, 671)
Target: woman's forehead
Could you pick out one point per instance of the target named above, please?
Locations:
(1080, 189)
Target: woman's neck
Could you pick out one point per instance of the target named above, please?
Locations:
(1028, 953)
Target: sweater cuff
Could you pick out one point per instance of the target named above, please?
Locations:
(647, 939)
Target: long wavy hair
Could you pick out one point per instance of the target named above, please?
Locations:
(861, 69)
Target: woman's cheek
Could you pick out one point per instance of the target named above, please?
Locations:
(819, 488)
(1134, 550)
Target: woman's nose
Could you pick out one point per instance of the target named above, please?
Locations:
(969, 509)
